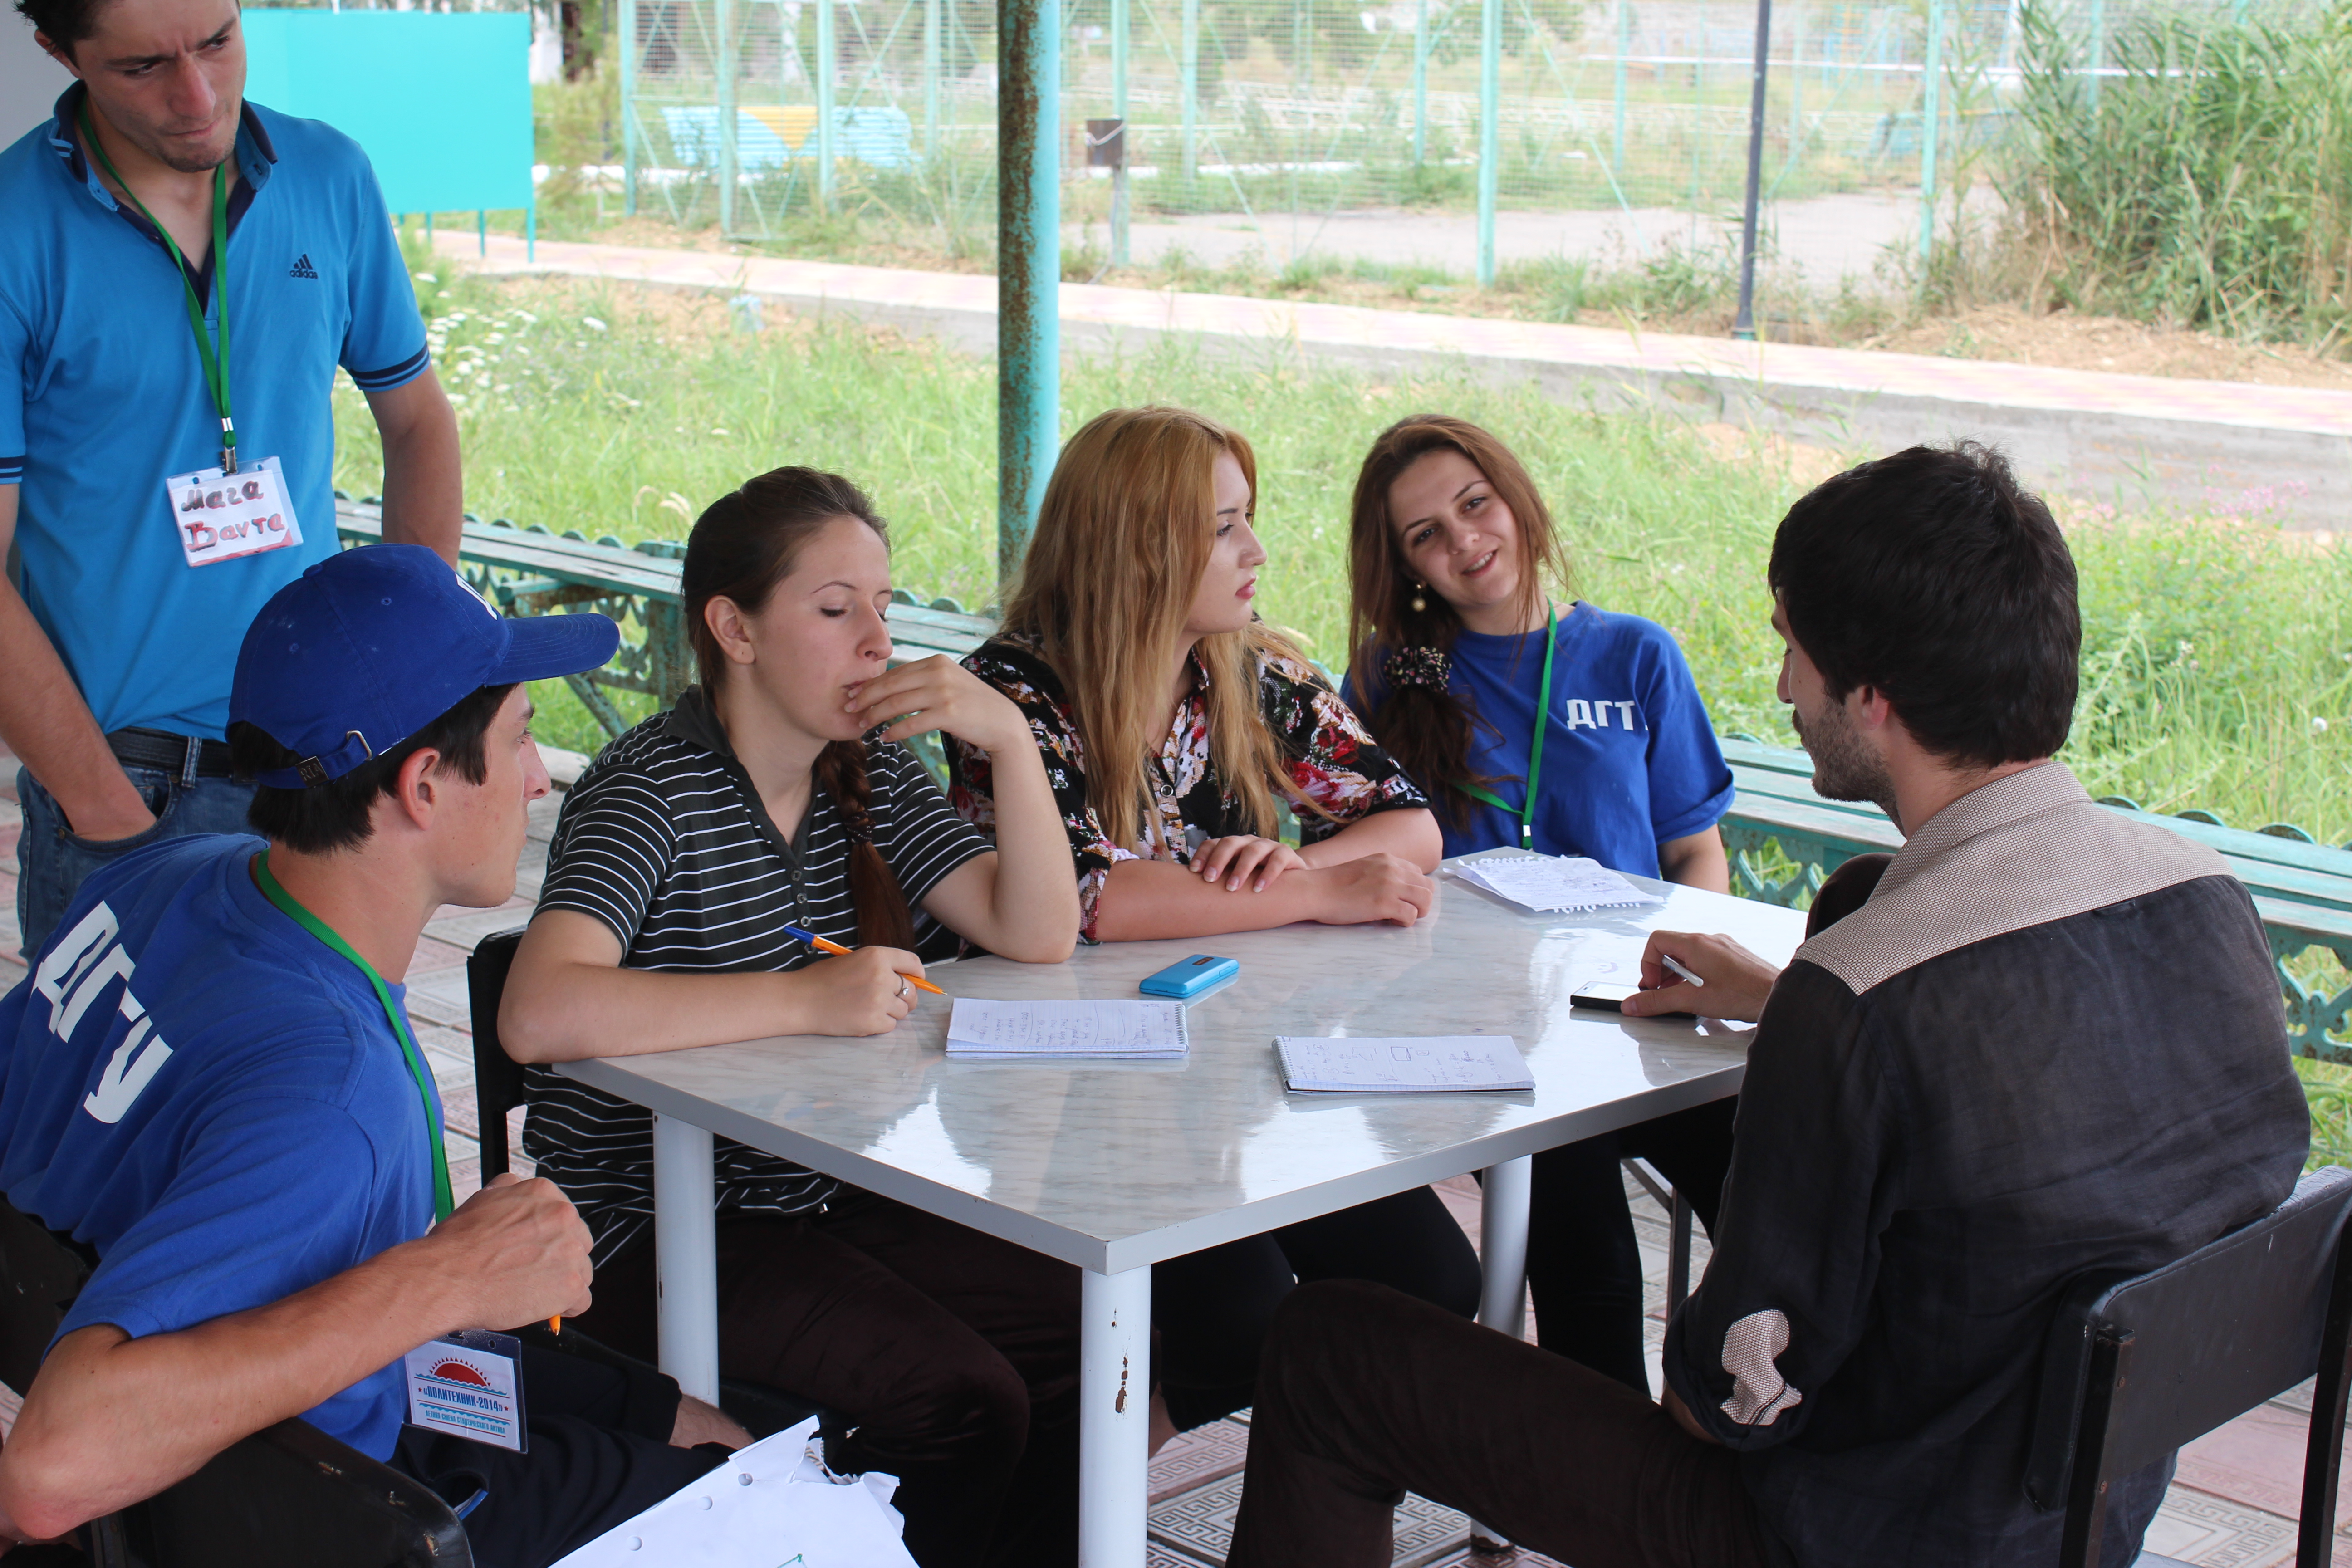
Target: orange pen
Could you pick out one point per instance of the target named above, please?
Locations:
(821, 945)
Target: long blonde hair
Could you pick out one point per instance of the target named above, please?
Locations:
(1126, 529)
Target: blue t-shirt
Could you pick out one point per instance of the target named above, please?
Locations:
(103, 398)
(211, 1100)
(1629, 759)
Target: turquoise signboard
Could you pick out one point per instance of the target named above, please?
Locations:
(440, 100)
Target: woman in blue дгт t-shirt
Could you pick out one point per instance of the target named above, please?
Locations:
(1451, 557)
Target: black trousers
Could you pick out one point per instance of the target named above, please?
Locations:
(1211, 1310)
(941, 1356)
(1367, 1394)
(1583, 1261)
(599, 1454)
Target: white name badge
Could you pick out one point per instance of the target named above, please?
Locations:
(220, 517)
(464, 1384)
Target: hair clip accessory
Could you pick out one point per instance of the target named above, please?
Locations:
(1427, 667)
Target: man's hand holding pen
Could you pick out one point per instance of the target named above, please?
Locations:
(1728, 981)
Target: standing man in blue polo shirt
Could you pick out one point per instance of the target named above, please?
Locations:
(181, 273)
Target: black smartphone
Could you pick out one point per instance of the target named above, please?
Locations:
(1608, 998)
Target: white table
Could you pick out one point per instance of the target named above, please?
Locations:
(1115, 1166)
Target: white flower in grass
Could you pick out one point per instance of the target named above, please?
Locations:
(592, 323)
(2318, 725)
(718, 430)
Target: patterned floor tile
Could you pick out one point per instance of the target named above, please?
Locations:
(438, 996)
(2214, 1532)
(463, 928)
(433, 954)
(1202, 1523)
(1198, 1458)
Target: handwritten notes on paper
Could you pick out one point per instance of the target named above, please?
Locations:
(1547, 882)
(1401, 1065)
(1119, 1031)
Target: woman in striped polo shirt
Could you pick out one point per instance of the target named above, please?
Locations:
(759, 801)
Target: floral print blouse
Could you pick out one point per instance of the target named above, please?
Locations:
(1333, 762)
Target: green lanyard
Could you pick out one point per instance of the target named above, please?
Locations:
(1526, 813)
(215, 365)
(442, 1205)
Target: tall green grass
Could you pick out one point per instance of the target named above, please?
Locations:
(2208, 185)
(2218, 656)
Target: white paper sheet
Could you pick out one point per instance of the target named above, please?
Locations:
(1137, 1031)
(772, 1505)
(1547, 882)
(1401, 1063)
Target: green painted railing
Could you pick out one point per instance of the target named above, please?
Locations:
(1784, 838)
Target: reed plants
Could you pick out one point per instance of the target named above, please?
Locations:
(2204, 180)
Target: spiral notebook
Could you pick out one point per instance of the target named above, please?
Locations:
(1545, 883)
(1316, 1064)
(1102, 1031)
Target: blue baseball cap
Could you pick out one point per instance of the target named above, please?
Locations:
(372, 645)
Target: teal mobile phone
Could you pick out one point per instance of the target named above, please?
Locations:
(1189, 978)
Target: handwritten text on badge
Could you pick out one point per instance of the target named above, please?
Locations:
(220, 517)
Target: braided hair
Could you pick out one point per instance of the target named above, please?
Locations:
(743, 545)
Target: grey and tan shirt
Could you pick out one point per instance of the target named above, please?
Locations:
(2051, 1041)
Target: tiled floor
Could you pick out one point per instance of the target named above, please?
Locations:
(2232, 1505)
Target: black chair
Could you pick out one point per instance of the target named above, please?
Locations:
(2138, 1365)
(287, 1497)
(497, 1090)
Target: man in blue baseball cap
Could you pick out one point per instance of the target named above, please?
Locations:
(208, 1083)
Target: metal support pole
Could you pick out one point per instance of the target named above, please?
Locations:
(1743, 326)
(1624, 47)
(1188, 75)
(932, 77)
(629, 107)
(685, 1258)
(530, 230)
(726, 127)
(1114, 1414)
(1796, 88)
(481, 232)
(1118, 212)
(1029, 269)
(2098, 47)
(825, 73)
(1490, 133)
(1506, 1192)
(1928, 116)
(1419, 83)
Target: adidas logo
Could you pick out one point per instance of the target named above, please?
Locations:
(302, 268)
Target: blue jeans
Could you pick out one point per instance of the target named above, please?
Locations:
(52, 859)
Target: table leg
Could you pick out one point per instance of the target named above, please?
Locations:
(1113, 1419)
(1503, 1259)
(686, 1257)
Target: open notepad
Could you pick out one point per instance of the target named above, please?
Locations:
(1401, 1065)
(1548, 882)
(1118, 1031)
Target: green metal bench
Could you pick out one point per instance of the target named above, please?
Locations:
(2302, 889)
(1782, 838)
(530, 572)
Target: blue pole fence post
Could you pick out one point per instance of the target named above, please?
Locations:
(1029, 267)
(932, 77)
(1188, 74)
(1928, 116)
(1419, 83)
(826, 71)
(2098, 49)
(1743, 325)
(1490, 134)
(1624, 47)
(1118, 212)
(531, 229)
(629, 107)
(481, 231)
(725, 65)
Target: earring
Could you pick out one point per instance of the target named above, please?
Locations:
(1419, 603)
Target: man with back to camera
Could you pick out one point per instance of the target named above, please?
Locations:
(119, 624)
(2051, 1041)
(208, 1083)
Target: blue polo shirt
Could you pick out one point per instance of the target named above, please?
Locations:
(211, 1100)
(1629, 757)
(102, 396)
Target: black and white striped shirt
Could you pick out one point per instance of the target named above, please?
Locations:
(665, 840)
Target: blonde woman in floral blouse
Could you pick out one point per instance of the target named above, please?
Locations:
(1173, 720)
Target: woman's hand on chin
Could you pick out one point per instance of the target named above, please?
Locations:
(937, 693)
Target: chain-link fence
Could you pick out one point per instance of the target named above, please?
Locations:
(1306, 133)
